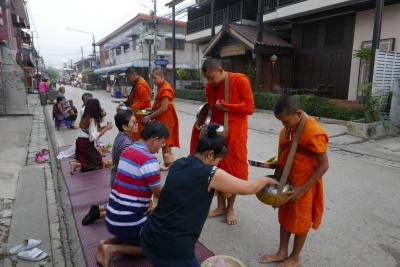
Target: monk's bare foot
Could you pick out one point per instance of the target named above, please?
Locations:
(108, 253)
(231, 217)
(290, 262)
(278, 257)
(100, 253)
(217, 212)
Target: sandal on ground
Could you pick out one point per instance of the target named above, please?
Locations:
(25, 245)
(33, 255)
(44, 151)
(39, 158)
(92, 215)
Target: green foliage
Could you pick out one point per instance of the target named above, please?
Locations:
(180, 74)
(190, 94)
(251, 73)
(315, 106)
(363, 53)
(53, 73)
(370, 103)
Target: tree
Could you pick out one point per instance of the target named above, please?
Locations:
(53, 73)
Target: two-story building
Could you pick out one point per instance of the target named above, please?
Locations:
(132, 44)
(306, 44)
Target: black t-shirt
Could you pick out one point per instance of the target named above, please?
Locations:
(175, 225)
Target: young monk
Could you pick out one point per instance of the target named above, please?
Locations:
(140, 97)
(305, 205)
(164, 111)
(240, 105)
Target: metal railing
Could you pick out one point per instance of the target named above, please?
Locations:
(233, 13)
(275, 4)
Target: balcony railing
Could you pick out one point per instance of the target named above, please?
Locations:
(275, 4)
(232, 12)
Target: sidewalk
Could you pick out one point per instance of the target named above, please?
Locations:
(28, 207)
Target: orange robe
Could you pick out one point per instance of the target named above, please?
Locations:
(241, 104)
(168, 118)
(298, 216)
(140, 99)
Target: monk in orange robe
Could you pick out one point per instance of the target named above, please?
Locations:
(239, 106)
(164, 111)
(139, 98)
(305, 205)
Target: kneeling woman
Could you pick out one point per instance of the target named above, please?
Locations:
(170, 233)
(86, 152)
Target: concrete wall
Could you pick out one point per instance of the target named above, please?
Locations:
(363, 32)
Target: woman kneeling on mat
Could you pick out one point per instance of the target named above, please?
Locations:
(170, 233)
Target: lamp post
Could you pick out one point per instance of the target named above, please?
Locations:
(93, 44)
(173, 4)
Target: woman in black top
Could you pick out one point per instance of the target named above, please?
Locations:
(170, 233)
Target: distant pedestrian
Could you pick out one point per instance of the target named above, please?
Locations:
(62, 114)
(43, 88)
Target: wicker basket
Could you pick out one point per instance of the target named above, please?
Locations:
(222, 260)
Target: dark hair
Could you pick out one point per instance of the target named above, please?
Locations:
(92, 111)
(154, 129)
(60, 98)
(122, 118)
(287, 104)
(211, 64)
(130, 71)
(61, 88)
(211, 141)
(84, 95)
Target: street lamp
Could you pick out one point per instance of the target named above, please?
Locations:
(94, 41)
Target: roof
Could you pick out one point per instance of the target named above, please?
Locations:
(139, 17)
(247, 34)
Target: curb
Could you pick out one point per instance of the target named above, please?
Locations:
(69, 239)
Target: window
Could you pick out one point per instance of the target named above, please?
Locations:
(134, 44)
(179, 44)
(118, 51)
(127, 48)
(334, 32)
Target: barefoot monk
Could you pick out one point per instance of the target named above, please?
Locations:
(239, 106)
(305, 206)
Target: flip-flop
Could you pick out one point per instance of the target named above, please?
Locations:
(33, 255)
(25, 245)
(44, 151)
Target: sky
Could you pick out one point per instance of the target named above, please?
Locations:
(50, 19)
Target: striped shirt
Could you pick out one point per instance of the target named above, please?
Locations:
(138, 170)
(121, 142)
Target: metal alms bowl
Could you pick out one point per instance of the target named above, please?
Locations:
(269, 195)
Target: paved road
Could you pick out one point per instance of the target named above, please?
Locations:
(361, 225)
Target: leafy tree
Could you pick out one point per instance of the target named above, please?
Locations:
(53, 73)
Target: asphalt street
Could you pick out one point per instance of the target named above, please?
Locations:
(361, 224)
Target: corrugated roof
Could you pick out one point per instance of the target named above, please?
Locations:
(250, 34)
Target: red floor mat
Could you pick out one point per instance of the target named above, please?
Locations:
(86, 189)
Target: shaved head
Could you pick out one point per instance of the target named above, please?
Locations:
(130, 71)
(211, 64)
(287, 105)
(158, 72)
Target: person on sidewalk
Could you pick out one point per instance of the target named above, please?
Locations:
(169, 235)
(126, 123)
(305, 206)
(239, 107)
(164, 112)
(138, 178)
(62, 114)
(43, 88)
(87, 155)
(139, 98)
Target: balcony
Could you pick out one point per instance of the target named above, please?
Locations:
(270, 5)
(233, 12)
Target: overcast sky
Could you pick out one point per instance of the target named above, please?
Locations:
(50, 18)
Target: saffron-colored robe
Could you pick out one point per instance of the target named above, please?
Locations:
(140, 99)
(240, 105)
(298, 216)
(168, 118)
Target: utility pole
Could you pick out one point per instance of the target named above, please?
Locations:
(155, 22)
(9, 23)
(376, 38)
(94, 52)
(259, 66)
(82, 57)
(173, 4)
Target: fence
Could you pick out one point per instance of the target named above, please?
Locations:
(386, 72)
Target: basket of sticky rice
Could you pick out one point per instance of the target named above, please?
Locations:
(222, 261)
